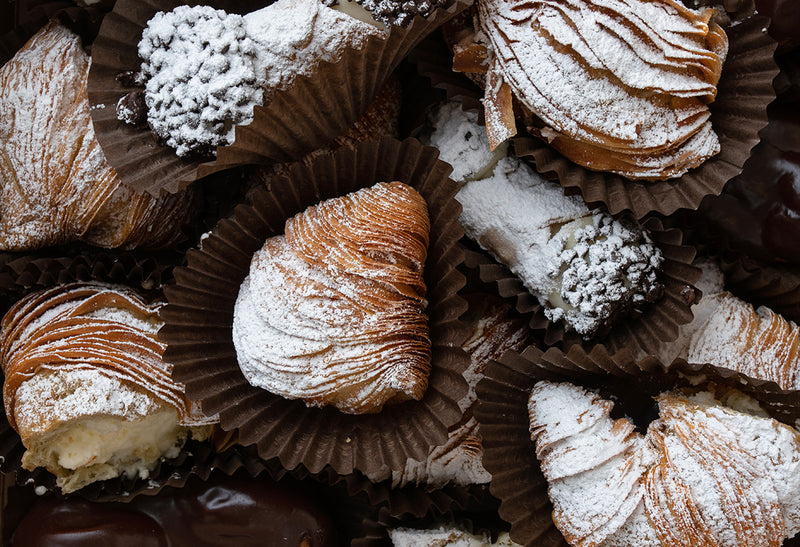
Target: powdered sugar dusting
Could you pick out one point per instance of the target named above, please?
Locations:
(584, 267)
(333, 312)
(701, 467)
(609, 74)
(205, 69)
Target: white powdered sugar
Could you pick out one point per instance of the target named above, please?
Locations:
(608, 73)
(445, 536)
(66, 394)
(528, 224)
(333, 312)
(585, 267)
(699, 469)
(205, 69)
(200, 73)
(463, 143)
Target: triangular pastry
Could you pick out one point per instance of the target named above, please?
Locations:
(55, 183)
(332, 312)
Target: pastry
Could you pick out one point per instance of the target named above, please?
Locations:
(444, 535)
(204, 70)
(585, 268)
(728, 332)
(712, 470)
(756, 342)
(619, 86)
(86, 387)
(333, 312)
(57, 186)
(493, 331)
(389, 12)
(208, 513)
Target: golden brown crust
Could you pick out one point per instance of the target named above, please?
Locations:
(333, 312)
(57, 185)
(73, 327)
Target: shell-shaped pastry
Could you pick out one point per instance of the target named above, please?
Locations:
(756, 342)
(620, 85)
(57, 186)
(706, 473)
(333, 312)
(86, 387)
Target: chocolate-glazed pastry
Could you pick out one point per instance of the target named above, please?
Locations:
(227, 511)
(79, 523)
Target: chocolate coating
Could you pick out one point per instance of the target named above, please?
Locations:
(79, 523)
(230, 511)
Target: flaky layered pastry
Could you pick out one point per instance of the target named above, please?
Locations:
(729, 332)
(756, 342)
(707, 473)
(615, 85)
(56, 185)
(86, 387)
(333, 312)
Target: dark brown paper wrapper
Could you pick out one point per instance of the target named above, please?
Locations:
(471, 507)
(773, 286)
(20, 275)
(509, 453)
(737, 114)
(200, 313)
(658, 323)
(26, 18)
(328, 102)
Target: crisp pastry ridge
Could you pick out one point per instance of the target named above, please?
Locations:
(332, 312)
(756, 342)
(712, 470)
(86, 386)
(57, 186)
(615, 85)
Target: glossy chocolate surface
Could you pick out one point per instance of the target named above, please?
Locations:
(230, 511)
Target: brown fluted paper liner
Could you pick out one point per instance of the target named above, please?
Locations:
(328, 102)
(21, 273)
(774, 286)
(200, 312)
(471, 507)
(659, 321)
(737, 115)
(509, 453)
(31, 15)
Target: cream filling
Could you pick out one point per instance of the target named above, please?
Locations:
(102, 447)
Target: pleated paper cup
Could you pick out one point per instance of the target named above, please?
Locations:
(658, 322)
(298, 120)
(737, 115)
(199, 319)
(509, 453)
(28, 17)
(774, 286)
(470, 507)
